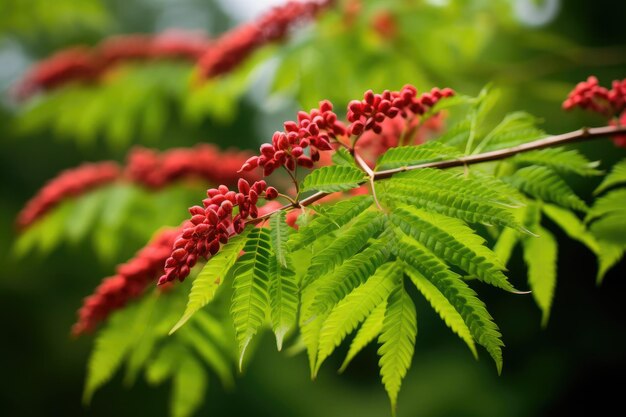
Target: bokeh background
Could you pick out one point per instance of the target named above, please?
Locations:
(533, 51)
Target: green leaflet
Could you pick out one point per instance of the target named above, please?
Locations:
(208, 351)
(206, 284)
(188, 389)
(84, 214)
(111, 347)
(415, 155)
(355, 307)
(475, 315)
(617, 176)
(279, 232)
(540, 254)
(484, 200)
(613, 203)
(544, 184)
(249, 302)
(611, 228)
(310, 327)
(370, 329)
(505, 244)
(442, 306)
(283, 299)
(610, 254)
(333, 178)
(334, 286)
(456, 134)
(561, 160)
(342, 157)
(283, 289)
(351, 240)
(571, 225)
(397, 341)
(451, 240)
(515, 128)
(335, 217)
(162, 365)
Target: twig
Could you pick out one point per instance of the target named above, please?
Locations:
(565, 138)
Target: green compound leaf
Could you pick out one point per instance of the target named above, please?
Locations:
(350, 241)
(250, 297)
(543, 183)
(333, 178)
(415, 155)
(206, 284)
(397, 341)
(442, 306)
(370, 329)
(540, 254)
(334, 217)
(617, 176)
(451, 240)
(355, 307)
(475, 315)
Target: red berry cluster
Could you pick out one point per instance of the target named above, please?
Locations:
(69, 183)
(88, 64)
(205, 161)
(129, 282)
(589, 95)
(369, 113)
(74, 64)
(213, 225)
(313, 130)
(238, 44)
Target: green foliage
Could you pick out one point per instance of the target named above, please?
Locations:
(333, 178)
(137, 338)
(540, 255)
(545, 184)
(415, 155)
(515, 128)
(450, 194)
(348, 243)
(615, 177)
(451, 240)
(356, 307)
(397, 341)
(561, 160)
(211, 278)
(484, 331)
(333, 218)
(250, 295)
(443, 307)
(113, 217)
(370, 329)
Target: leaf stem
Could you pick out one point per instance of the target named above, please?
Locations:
(556, 140)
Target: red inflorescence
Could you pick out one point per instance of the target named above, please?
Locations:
(589, 95)
(180, 44)
(69, 183)
(155, 170)
(88, 64)
(313, 130)
(128, 283)
(74, 64)
(213, 225)
(369, 113)
(238, 44)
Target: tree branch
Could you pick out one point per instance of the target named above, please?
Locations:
(556, 140)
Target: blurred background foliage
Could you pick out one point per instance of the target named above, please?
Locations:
(532, 51)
